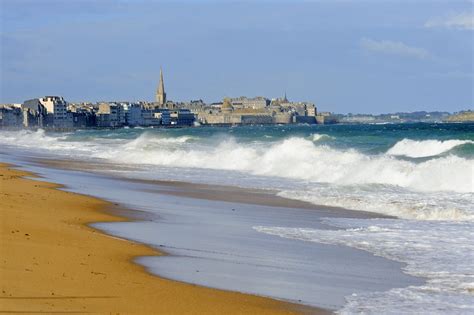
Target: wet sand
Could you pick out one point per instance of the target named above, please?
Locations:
(225, 193)
(52, 261)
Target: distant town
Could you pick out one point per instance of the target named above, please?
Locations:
(55, 113)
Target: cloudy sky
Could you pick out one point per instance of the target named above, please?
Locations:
(345, 56)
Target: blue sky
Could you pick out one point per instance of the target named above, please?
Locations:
(345, 56)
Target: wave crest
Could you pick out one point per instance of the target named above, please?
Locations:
(294, 157)
(425, 148)
(301, 159)
(320, 136)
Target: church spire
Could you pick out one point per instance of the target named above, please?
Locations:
(160, 91)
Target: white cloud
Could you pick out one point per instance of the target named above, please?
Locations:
(393, 48)
(460, 21)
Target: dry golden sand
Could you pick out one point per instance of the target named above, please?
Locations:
(52, 262)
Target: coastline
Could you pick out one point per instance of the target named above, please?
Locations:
(254, 196)
(55, 262)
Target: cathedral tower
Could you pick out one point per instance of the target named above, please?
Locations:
(160, 96)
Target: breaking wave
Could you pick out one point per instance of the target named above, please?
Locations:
(301, 159)
(425, 148)
(293, 158)
(148, 141)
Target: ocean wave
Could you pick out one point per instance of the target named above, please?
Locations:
(294, 158)
(424, 148)
(301, 159)
(148, 140)
(27, 137)
(441, 252)
(39, 139)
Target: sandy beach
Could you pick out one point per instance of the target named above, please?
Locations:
(53, 262)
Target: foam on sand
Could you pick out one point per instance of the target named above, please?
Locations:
(442, 252)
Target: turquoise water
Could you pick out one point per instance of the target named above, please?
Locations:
(367, 138)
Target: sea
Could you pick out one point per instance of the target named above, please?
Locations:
(419, 176)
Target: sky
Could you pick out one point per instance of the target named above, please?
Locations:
(344, 56)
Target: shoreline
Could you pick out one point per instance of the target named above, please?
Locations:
(214, 192)
(77, 268)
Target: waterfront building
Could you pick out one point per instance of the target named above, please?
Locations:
(133, 115)
(110, 115)
(164, 117)
(34, 114)
(10, 116)
(84, 119)
(83, 114)
(160, 96)
(150, 117)
(182, 117)
(142, 114)
(57, 113)
(228, 115)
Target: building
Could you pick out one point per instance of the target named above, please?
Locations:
(110, 115)
(10, 116)
(258, 102)
(34, 114)
(57, 113)
(228, 115)
(182, 117)
(133, 115)
(83, 115)
(160, 96)
(150, 117)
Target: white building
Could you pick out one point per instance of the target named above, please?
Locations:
(58, 115)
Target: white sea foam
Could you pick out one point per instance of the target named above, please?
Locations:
(441, 252)
(147, 141)
(28, 138)
(425, 148)
(389, 200)
(40, 140)
(301, 159)
(293, 158)
(318, 136)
